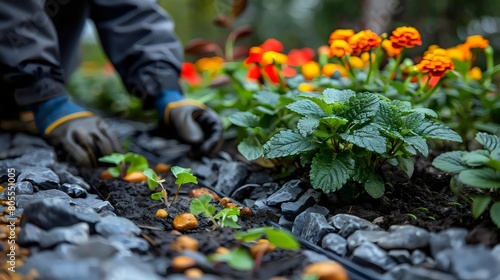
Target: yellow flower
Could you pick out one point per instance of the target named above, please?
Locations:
(431, 49)
(364, 41)
(340, 34)
(209, 64)
(330, 68)
(476, 41)
(390, 49)
(405, 36)
(475, 73)
(270, 57)
(306, 87)
(460, 52)
(436, 64)
(339, 48)
(356, 62)
(310, 70)
(366, 57)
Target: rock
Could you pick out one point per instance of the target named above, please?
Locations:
(246, 190)
(404, 237)
(67, 177)
(132, 243)
(73, 190)
(30, 235)
(75, 234)
(24, 188)
(313, 257)
(468, 262)
(248, 202)
(24, 200)
(4, 141)
(291, 209)
(347, 224)
(185, 221)
(183, 243)
(372, 256)
(23, 140)
(290, 191)
(315, 228)
(405, 271)
(285, 223)
(41, 177)
(98, 205)
(37, 158)
(361, 236)
(128, 267)
(496, 252)
(335, 243)
(418, 257)
(56, 212)
(96, 247)
(264, 191)
(400, 256)
(231, 175)
(112, 225)
(259, 178)
(300, 220)
(448, 238)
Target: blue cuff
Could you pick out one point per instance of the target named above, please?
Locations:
(165, 97)
(52, 110)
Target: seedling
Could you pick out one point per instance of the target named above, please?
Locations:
(153, 182)
(227, 217)
(125, 163)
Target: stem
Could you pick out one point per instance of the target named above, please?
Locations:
(394, 70)
(430, 91)
(488, 52)
(370, 70)
(176, 193)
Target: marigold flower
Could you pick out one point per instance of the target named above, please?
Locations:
(476, 41)
(436, 64)
(255, 53)
(431, 49)
(311, 70)
(306, 87)
(460, 52)
(209, 64)
(340, 48)
(405, 36)
(188, 73)
(322, 50)
(271, 57)
(390, 50)
(330, 68)
(475, 73)
(364, 41)
(298, 57)
(340, 34)
(356, 62)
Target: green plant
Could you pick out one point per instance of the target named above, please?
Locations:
(125, 163)
(182, 175)
(346, 136)
(479, 169)
(226, 217)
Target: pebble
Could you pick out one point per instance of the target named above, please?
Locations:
(300, 220)
(290, 191)
(315, 228)
(291, 209)
(112, 225)
(185, 221)
(370, 255)
(348, 224)
(404, 237)
(335, 243)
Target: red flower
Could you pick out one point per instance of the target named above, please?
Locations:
(253, 73)
(272, 44)
(188, 73)
(299, 57)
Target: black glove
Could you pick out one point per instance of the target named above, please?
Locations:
(193, 123)
(84, 140)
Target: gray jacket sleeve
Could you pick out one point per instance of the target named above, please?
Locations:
(29, 56)
(138, 37)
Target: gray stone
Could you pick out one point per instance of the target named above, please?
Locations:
(291, 209)
(359, 237)
(418, 257)
(4, 141)
(24, 200)
(231, 175)
(496, 252)
(56, 212)
(132, 243)
(112, 225)
(129, 267)
(37, 158)
(269, 188)
(300, 220)
(370, 255)
(23, 140)
(248, 202)
(49, 265)
(246, 191)
(258, 178)
(315, 228)
(335, 243)
(30, 235)
(290, 191)
(24, 188)
(285, 223)
(448, 238)
(75, 234)
(67, 177)
(41, 177)
(406, 272)
(468, 262)
(347, 224)
(96, 247)
(92, 201)
(404, 237)
(400, 256)
(73, 190)
(314, 257)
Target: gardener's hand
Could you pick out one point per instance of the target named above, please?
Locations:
(81, 135)
(190, 122)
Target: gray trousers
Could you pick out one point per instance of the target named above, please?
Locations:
(39, 41)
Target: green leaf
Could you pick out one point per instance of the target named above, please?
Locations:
(450, 162)
(176, 170)
(306, 108)
(367, 137)
(282, 239)
(495, 213)
(251, 234)
(479, 204)
(201, 205)
(363, 107)
(426, 111)
(227, 217)
(419, 143)
(475, 159)
(267, 98)
(490, 142)
(307, 125)
(334, 95)
(250, 148)
(334, 122)
(485, 178)
(115, 158)
(406, 165)
(435, 130)
(137, 162)
(244, 119)
(287, 143)
(238, 259)
(330, 173)
(152, 178)
(413, 121)
(157, 196)
(184, 178)
(374, 186)
(115, 171)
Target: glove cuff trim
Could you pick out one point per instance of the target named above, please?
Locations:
(66, 118)
(180, 103)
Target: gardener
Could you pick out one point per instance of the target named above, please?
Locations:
(38, 45)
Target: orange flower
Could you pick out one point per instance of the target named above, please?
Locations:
(271, 57)
(188, 73)
(298, 57)
(364, 41)
(311, 70)
(476, 41)
(209, 64)
(340, 34)
(405, 36)
(306, 87)
(460, 52)
(356, 62)
(475, 73)
(255, 53)
(431, 49)
(330, 68)
(340, 48)
(436, 64)
(390, 49)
